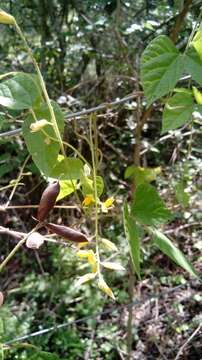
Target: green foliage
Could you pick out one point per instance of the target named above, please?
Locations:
(177, 111)
(168, 248)
(133, 236)
(87, 185)
(142, 175)
(181, 196)
(147, 206)
(66, 168)
(43, 149)
(161, 67)
(193, 65)
(67, 187)
(20, 92)
(42, 355)
(197, 42)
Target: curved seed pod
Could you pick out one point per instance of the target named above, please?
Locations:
(1, 298)
(48, 200)
(67, 233)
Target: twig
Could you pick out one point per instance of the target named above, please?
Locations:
(17, 181)
(188, 341)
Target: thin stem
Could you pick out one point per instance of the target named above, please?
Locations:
(17, 181)
(93, 155)
(17, 247)
(43, 86)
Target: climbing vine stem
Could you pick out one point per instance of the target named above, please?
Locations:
(93, 148)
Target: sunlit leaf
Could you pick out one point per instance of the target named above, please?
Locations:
(169, 249)
(161, 67)
(67, 168)
(197, 42)
(67, 187)
(197, 95)
(20, 92)
(141, 174)
(43, 150)
(177, 111)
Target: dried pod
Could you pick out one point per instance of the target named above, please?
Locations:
(48, 200)
(1, 298)
(34, 240)
(67, 233)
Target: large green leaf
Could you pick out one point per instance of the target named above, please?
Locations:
(42, 355)
(44, 151)
(167, 247)
(161, 68)
(142, 175)
(67, 168)
(132, 235)
(193, 65)
(19, 92)
(177, 111)
(147, 207)
(67, 187)
(197, 42)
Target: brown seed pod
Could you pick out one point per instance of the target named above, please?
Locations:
(48, 200)
(1, 298)
(67, 233)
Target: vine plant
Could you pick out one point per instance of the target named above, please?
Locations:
(162, 66)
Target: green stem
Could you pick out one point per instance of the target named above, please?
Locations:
(93, 155)
(17, 247)
(43, 86)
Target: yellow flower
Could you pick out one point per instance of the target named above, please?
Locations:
(107, 204)
(88, 200)
(105, 288)
(90, 255)
(6, 18)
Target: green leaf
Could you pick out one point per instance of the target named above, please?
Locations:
(87, 185)
(42, 355)
(197, 42)
(20, 92)
(148, 208)
(67, 187)
(1, 352)
(142, 175)
(132, 235)
(177, 111)
(197, 95)
(44, 151)
(67, 168)
(161, 67)
(169, 249)
(181, 196)
(193, 65)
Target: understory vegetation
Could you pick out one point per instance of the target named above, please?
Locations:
(100, 179)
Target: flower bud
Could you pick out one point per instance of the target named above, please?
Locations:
(105, 288)
(38, 125)
(6, 18)
(109, 244)
(34, 240)
(83, 279)
(112, 266)
(48, 200)
(1, 298)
